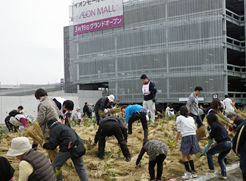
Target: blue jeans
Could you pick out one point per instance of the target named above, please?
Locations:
(223, 148)
(197, 119)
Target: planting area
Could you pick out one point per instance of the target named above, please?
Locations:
(114, 167)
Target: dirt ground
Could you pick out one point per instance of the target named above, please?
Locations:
(114, 167)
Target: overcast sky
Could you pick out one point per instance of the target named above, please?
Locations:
(31, 42)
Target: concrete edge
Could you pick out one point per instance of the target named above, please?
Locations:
(206, 177)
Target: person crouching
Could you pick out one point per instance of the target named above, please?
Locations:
(62, 135)
(110, 126)
(157, 152)
(34, 166)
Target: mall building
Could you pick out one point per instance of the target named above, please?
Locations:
(178, 44)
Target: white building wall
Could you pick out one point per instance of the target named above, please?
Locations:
(30, 104)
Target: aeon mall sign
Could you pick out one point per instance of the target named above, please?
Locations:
(93, 15)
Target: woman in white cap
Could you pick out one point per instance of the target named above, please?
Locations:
(34, 166)
(101, 104)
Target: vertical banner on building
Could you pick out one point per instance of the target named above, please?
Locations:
(93, 15)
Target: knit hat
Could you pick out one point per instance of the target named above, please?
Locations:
(111, 98)
(19, 146)
(51, 122)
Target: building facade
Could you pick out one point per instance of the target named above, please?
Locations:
(178, 44)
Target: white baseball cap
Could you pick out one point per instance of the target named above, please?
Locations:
(19, 146)
(111, 98)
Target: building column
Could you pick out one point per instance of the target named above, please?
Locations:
(224, 47)
(116, 65)
(167, 53)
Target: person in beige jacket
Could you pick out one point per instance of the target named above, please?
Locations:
(47, 109)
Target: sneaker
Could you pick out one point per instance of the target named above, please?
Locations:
(223, 177)
(128, 159)
(187, 176)
(194, 174)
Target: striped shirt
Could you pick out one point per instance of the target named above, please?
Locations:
(192, 103)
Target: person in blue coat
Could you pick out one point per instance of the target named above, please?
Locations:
(134, 113)
(239, 146)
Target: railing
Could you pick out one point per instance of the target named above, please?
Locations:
(237, 95)
(238, 18)
(236, 68)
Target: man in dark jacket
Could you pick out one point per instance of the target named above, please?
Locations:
(100, 107)
(239, 146)
(86, 110)
(110, 126)
(63, 135)
(237, 120)
(149, 92)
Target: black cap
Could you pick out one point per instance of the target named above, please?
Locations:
(51, 122)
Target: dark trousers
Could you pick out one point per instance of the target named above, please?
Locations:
(61, 159)
(135, 117)
(244, 177)
(9, 125)
(159, 161)
(97, 117)
(197, 119)
(109, 129)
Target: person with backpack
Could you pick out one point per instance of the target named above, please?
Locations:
(9, 125)
(18, 120)
(65, 137)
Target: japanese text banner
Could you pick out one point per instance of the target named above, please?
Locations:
(93, 15)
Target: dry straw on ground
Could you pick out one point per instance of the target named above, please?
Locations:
(114, 167)
(37, 135)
